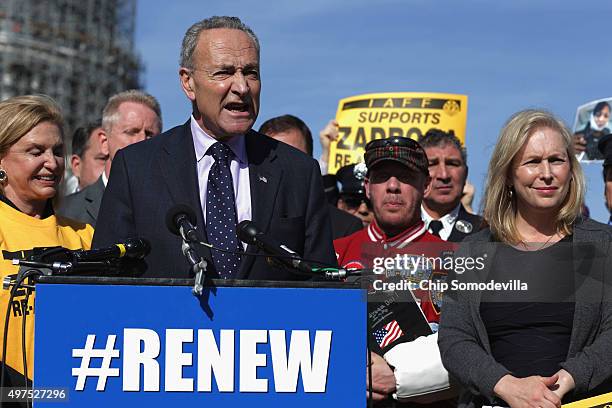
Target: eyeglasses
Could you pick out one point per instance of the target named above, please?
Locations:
(355, 202)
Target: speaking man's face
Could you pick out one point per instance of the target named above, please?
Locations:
(224, 83)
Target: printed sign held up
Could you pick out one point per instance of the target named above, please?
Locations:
(364, 118)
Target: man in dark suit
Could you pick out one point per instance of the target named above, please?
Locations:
(218, 166)
(128, 117)
(87, 160)
(442, 211)
(293, 131)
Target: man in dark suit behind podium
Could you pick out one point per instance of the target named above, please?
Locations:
(274, 185)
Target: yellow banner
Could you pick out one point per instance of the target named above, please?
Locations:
(364, 118)
(601, 401)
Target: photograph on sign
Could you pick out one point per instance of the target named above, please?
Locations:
(591, 124)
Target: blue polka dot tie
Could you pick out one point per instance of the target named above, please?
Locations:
(221, 216)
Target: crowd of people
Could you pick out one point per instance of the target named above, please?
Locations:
(483, 350)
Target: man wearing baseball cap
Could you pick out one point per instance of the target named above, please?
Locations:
(396, 180)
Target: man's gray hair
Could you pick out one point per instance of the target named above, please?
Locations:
(440, 138)
(110, 114)
(190, 40)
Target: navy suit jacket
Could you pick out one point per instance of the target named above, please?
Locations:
(472, 219)
(149, 178)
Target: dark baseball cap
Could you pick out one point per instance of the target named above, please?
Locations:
(400, 149)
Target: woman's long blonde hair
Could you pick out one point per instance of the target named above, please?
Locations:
(499, 205)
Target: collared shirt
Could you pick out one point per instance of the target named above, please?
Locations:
(398, 241)
(448, 221)
(104, 178)
(349, 249)
(239, 168)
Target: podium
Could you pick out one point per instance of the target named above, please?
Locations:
(151, 342)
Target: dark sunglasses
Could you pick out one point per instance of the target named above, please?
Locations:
(355, 202)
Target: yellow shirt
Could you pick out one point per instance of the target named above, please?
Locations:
(20, 233)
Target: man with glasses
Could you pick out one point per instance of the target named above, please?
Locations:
(396, 180)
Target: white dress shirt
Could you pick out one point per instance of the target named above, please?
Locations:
(448, 221)
(239, 167)
(104, 178)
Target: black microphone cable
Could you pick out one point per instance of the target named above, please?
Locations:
(5, 335)
(181, 220)
(18, 283)
(327, 270)
(23, 333)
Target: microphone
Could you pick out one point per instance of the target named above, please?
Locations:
(108, 261)
(106, 267)
(248, 232)
(181, 221)
(133, 248)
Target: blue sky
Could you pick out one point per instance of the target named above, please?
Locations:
(506, 56)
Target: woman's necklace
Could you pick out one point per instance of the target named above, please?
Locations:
(544, 245)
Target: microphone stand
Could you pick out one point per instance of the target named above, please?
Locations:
(198, 263)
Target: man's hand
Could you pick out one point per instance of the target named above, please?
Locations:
(534, 391)
(326, 136)
(383, 380)
(579, 143)
(565, 383)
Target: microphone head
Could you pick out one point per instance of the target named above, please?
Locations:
(174, 215)
(137, 248)
(247, 232)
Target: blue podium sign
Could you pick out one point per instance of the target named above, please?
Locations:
(236, 346)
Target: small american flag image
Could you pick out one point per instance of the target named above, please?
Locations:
(388, 334)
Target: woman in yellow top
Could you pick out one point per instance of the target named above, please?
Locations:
(31, 168)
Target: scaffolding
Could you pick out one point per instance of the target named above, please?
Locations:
(80, 52)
